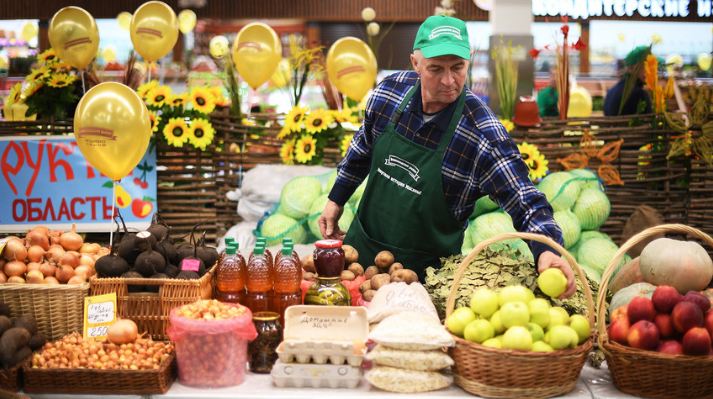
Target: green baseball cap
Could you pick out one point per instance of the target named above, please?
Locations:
(441, 35)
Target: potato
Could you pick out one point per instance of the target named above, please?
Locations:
(356, 268)
(404, 275)
(26, 322)
(5, 324)
(396, 266)
(347, 275)
(380, 280)
(309, 276)
(351, 255)
(365, 286)
(308, 264)
(369, 295)
(19, 356)
(11, 341)
(370, 272)
(37, 341)
(384, 259)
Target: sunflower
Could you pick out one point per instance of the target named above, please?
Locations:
(60, 80)
(318, 120)
(287, 152)
(284, 132)
(31, 89)
(177, 100)
(158, 96)
(38, 74)
(538, 167)
(47, 56)
(507, 124)
(155, 120)
(528, 152)
(201, 133)
(176, 132)
(14, 95)
(345, 115)
(306, 149)
(295, 117)
(218, 97)
(346, 141)
(59, 67)
(145, 88)
(202, 100)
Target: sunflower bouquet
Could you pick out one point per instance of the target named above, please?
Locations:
(182, 118)
(52, 89)
(534, 159)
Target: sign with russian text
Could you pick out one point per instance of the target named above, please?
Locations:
(46, 181)
(623, 8)
(99, 315)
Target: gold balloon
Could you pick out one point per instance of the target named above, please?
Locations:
(351, 67)
(112, 128)
(74, 36)
(124, 20)
(109, 54)
(704, 61)
(282, 74)
(154, 30)
(218, 46)
(29, 31)
(580, 103)
(256, 52)
(186, 21)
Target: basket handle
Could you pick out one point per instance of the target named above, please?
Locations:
(450, 304)
(636, 239)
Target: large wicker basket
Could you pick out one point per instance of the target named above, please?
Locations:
(647, 373)
(58, 309)
(501, 373)
(150, 310)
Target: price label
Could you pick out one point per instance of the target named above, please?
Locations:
(99, 314)
(190, 265)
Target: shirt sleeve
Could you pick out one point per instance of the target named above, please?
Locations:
(505, 178)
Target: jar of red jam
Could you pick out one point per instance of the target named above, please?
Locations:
(329, 258)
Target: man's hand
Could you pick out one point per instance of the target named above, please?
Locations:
(548, 260)
(328, 225)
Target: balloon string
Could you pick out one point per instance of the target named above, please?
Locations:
(148, 74)
(113, 203)
(84, 90)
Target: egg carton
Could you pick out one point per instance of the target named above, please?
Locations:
(336, 353)
(298, 375)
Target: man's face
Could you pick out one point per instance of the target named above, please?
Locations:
(442, 78)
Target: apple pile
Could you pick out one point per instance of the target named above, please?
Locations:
(669, 323)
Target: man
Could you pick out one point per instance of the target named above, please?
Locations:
(431, 148)
(628, 96)
(547, 97)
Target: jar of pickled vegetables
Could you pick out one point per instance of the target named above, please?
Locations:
(328, 291)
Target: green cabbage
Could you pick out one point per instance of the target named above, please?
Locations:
(356, 197)
(484, 205)
(586, 235)
(592, 208)
(490, 225)
(592, 274)
(316, 210)
(298, 195)
(597, 253)
(467, 240)
(593, 179)
(567, 221)
(330, 182)
(277, 226)
(561, 190)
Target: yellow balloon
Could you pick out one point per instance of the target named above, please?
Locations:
(704, 61)
(282, 74)
(124, 20)
(74, 36)
(186, 21)
(256, 52)
(218, 46)
(580, 103)
(109, 54)
(351, 67)
(29, 32)
(112, 128)
(154, 30)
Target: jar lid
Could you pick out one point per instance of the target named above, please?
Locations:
(328, 244)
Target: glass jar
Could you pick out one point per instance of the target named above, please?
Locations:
(263, 350)
(328, 291)
(329, 258)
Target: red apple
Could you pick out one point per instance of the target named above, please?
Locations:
(709, 322)
(699, 299)
(640, 308)
(618, 330)
(619, 312)
(643, 335)
(671, 347)
(697, 341)
(141, 208)
(665, 325)
(665, 298)
(686, 315)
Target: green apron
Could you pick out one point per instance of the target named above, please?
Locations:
(404, 208)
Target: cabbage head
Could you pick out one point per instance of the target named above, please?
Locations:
(567, 221)
(586, 235)
(330, 182)
(592, 178)
(298, 195)
(597, 253)
(561, 190)
(316, 210)
(592, 208)
(277, 226)
(484, 205)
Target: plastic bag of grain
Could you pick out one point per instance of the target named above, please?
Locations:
(407, 381)
(411, 331)
(431, 360)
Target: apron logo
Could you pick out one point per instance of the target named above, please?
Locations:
(410, 168)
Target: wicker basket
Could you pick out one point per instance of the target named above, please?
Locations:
(150, 310)
(107, 382)
(647, 373)
(58, 309)
(501, 373)
(11, 379)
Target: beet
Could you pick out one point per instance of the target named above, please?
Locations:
(188, 275)
(171, 271)
(134, 287)
(149, 262)
(158, 228)
(168, 251)
(127, 249)
(209, 255)
(155, 288)
(27, 322)
(37, 341)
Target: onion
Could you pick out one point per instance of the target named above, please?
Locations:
(3, 277)
(77, 279)
(35, 277)
(64, 273)
(40, 237)
(51, 281)
(15, 250)
(55, 253)
(48, 269)
(83, 271)
(54, 236)
(33, 266)
(89, 248)
(103, 251)
(86, 260)
(35, 253)
(70, 240)
(123, 331)
(70, 258)
(16, 280)
(14, 268)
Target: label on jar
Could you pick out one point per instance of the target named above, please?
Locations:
(190, 265)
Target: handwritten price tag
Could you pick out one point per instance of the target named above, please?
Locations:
(190, 265)
(99, 314)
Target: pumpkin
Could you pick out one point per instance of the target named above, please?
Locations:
(625, 295)
(684, 265)
(626, 276)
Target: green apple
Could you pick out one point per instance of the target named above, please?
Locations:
(539, 346)
(514, 314)
(539, 311)
(479, 331)
(493, 343)
(517, 338)
(538, 334)
(497, 323)
(456, 322)
(552, 282)
(484, 302)
(561, 337)
(580, 324)
(558, 317)
(515, 293)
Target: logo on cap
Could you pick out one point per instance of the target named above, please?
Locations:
(445, 30)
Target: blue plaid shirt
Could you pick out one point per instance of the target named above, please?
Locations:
(480, 159)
